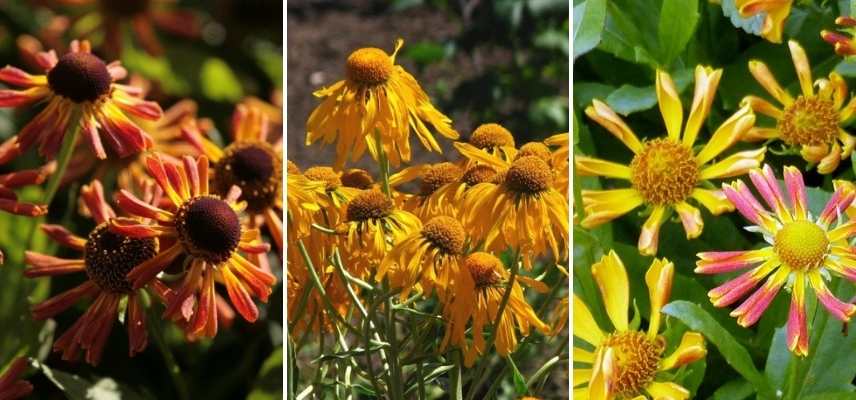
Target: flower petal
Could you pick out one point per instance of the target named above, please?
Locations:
(670, 105)
(650, 236)
(692, 348)
(659, 280)
(602, 206)
(588, 166)
(706, 82)
(603, 115)
(585, 327)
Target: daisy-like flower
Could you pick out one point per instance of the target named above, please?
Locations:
(803, 252)
(372, 225)
(106, 258)
(814, 121)
(843, 42)
(775, 13)
(494, 139)
(431, 177)
(304, 196)
(625, 362)
(667, 172)
(376, 97)
(250, 162)
(12, 387)
(109, 17)
(522, 211)
(428, 257)
(474, 300)
(204, 230)
(78, 83)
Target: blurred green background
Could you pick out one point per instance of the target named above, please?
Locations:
(236, 52)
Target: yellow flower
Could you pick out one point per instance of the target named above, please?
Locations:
(432, 177)
(475, 296)
(561, 157)
(523, 210)
(624, 362)
(376, 96)
(775, 12)
(666, 172)
(813, 122)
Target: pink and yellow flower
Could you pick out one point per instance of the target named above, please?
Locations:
(77, 84)
(802, 252)
(625, 363)
(667, 172)
(813, 122)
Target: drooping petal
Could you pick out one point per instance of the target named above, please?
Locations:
(659, 280)
(839, 309)
(797, 331)
(667, 390)
(611, 278)
(690, 219)
(649, 238)
(692, 348)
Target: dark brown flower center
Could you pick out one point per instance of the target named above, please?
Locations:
(255, 168)
(357, 178)
(110, 256)
(208, 228)
(80, 77)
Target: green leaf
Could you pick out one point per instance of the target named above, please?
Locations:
(268, 384)
(218, 81)
(736, 355)
(589, 21)
(735, 390)
(520, 386)
(678, 19)
(424, 53)
(629, 99)
(76, 388)
(831, 396)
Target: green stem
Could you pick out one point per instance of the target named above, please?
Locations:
(391, 333)
(172, 365)
(457, 385)
(320, 287)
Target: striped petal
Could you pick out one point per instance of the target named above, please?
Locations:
(735, 289)
(750, 311)
(803, 68)
(767, 185)
(797, 332)
(718, 262)
(841, 310)
(706, 82)
(735, 164)
(690, 219)
(796, 192)
(650, 236)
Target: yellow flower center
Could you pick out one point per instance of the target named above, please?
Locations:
(536, 149)
(293, 168)
(324, 174)
(801, 245)
(637, 359)
(110, 256)
(357, 178)
(664, 172)
(369, 66)
(528, 175)
(438, 175)
(488, 136)
(446, 233)
(809, 121)
(478, 174)
(484, 269)
(208, 228)
(369, 204)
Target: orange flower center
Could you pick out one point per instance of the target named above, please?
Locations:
(369, 204)
(446, 233)
(369, 66)
(529, 175)
(484, 269)
(208, 228)
(637, 360)
(488, 136)
(109, 257)
(478, 174)
(292, 167)
(80, 77)
(809, 121)
(254, 167)
(357, 178)
(801, 245)
(438, 175)
(537, 149)
(664, 172)
(324, 174)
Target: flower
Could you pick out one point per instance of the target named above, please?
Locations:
(625, 362)
(561, 157)
(432, 177)
(813, 122)
(774, 11)
(372, 225)
(9, 200)
(522, 211)
(204, 230)
(251, 163)
(428, 256)
(667, 172)
(803, 251)
(479, 287)
(844, 45)
(11, 387)
(142, 16)
(494, 139)
(106, 258)
(377, 97)
(78, 83)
